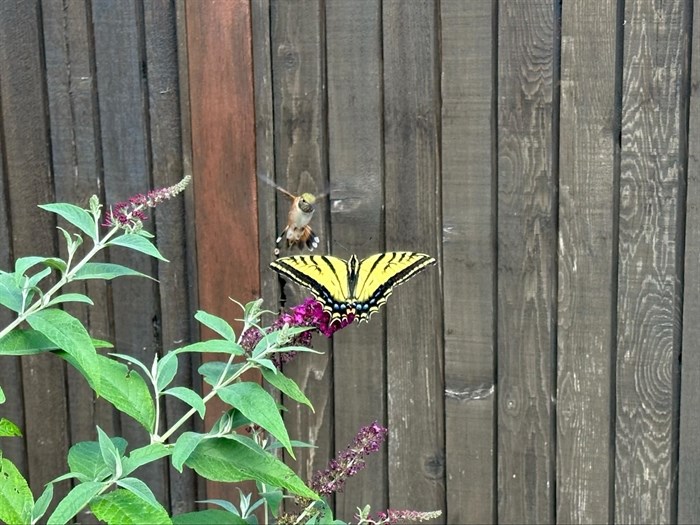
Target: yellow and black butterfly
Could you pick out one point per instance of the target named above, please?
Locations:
(352, 286)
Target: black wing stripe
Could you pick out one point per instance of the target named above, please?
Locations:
(320, 291)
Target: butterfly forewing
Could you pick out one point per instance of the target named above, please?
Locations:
(349, 286)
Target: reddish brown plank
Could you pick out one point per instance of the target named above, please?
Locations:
(223, 163)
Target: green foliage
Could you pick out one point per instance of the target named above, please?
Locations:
(16, 499)
(125, 507)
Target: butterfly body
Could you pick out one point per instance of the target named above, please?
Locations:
(353, 287)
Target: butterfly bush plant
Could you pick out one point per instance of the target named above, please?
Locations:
(105, 472)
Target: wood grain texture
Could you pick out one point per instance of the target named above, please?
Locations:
(298, 67)
(586, 248)
(649, 293)
(171, 236)
(11, 370)
(120, 65)
(223, 164)
(77, 167)
(29, 183)
(354, 68)
(689, 452)
(413, 314)
(468, 244)
(526, 263)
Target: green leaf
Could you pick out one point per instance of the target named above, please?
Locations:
(228, 460)
(110, 454)
(28, 342)
(24, 263)
(138, 488)
(184, 446)
(10, 292)
(74, 502)
(134, 361)
(190, 397)
(122, 387)
(287, 386)
(35, 279)
(274, 500)
(106, 271)
(167, 368)
(264, 363)
(219, 325)
(9, 429)
(214, 346)
(42, 504)
(70, 297)
(258, 406)
(78, 217)
(122, 507)
(138, 243)
(212, 370)
(228, 422)
(275, 340)
(208, 517)
(86, 458)
(2, 396)
(144, 455)
(69, 334)
(16, 500)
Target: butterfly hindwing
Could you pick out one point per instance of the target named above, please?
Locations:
(345, 287)
(378, 275)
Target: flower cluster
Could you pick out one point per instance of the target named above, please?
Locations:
(396, 516)
(129, 214)
(310, 314)
(350, 461)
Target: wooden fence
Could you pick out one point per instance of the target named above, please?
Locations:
(545, 152)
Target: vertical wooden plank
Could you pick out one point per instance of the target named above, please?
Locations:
(171, 235)
(11, 369)
(29, 177)
(414, 313)
(468, 190)
(120, 61)
(223, 162)
(353, 44)
(689, 453)
(649, 294)
(526, 262)
(586, 237)
(77, 165)
(301, 165)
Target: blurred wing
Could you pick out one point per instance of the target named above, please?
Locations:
(378, 274)
(268, 180)
(324, 275)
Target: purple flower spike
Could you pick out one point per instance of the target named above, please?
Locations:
(129, 214)
(350, 461)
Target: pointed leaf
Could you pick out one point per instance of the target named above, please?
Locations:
(2, 396)
(74, 502)
(258, 406)
(209, 516)
(16, 500)
(86, 458)
(124, 388)
(110, 454)
(122, 507)
(9, 429)
(184, 446)
(167, 368)
(144, 455)
(138, 243)
(213, 370)
(287, 386)
(42, 504)
(106, 271)
(10, 292)
(70, 297)
(78, 217)
(69, 334)
(219, 325)
(220, 346)
(190, 397)
(228, 460)
(138, 488)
